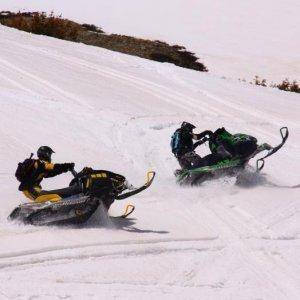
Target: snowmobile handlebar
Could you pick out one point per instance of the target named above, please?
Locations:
(74, 173)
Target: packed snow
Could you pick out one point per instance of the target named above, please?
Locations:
(234, 38)
(113, 111)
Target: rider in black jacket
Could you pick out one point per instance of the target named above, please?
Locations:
(184, 148)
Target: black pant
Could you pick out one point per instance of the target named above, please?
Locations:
(210, 159)
(189, 160)
(65, 192)
(36, 192)
(192, 160)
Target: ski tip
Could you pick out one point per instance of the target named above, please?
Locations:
(129, 209)
(150, 176)
(284, 131)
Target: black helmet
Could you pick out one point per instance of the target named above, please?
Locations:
(44, 153)
(187, 126)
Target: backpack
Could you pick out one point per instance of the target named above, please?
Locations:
(175, 142)
(25, 168)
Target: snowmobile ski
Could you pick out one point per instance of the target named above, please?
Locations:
(284, 132)
(129, 209)
(150, 178)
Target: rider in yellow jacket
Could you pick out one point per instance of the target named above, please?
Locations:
(44, 168)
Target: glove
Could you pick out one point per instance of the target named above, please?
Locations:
(200, 142)
(70, 166)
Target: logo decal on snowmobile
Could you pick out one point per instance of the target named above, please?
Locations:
(79, 212)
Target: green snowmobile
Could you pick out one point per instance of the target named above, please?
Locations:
(241, 149)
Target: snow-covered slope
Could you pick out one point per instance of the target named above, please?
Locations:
(112, 111)
(235, 38)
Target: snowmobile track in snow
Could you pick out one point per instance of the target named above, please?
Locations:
(220, 241)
